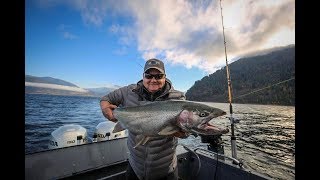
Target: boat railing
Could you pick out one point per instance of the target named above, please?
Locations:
(212, 154)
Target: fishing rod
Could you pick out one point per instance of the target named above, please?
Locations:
(263, 88)
(232, 120)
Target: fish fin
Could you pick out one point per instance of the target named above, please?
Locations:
(168, 130)
(117, 128)
(141, 139)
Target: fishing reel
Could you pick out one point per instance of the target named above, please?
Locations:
(215, 143)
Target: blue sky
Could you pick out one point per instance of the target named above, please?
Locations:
(101, 43)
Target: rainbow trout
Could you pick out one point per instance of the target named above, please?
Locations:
(164, 118)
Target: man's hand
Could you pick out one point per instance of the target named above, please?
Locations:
(107, 109)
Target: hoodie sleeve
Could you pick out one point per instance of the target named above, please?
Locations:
(115, 97)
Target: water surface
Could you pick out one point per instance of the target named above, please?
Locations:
(265, 134)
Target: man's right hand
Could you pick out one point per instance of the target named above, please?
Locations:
(107, 109)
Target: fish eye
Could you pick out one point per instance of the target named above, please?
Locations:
(203, 114)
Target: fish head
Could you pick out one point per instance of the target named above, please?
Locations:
(195, 118)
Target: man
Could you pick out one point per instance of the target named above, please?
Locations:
(157, 158)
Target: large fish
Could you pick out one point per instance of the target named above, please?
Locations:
(164, 118)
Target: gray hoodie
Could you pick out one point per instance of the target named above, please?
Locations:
(157, 157)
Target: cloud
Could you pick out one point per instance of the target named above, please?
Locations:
(125, 33)
(55, 86)
(189, 32)
(92, 12)
(66, 34)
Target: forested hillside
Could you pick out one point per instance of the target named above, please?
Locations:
(260, 79)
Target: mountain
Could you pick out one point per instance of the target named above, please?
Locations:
(265, 78)
(48, 80)
(53, 86)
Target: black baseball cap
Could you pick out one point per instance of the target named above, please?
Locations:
(156, 64)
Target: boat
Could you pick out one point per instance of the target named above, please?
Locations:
(105, 156)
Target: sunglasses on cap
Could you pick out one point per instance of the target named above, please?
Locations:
(156, 76)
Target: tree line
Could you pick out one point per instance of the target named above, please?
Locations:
(259, 79)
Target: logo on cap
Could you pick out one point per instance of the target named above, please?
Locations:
(152, 62)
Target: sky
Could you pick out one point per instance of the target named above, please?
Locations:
(100, 43)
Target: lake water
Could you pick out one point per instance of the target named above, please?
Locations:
(265, 134)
